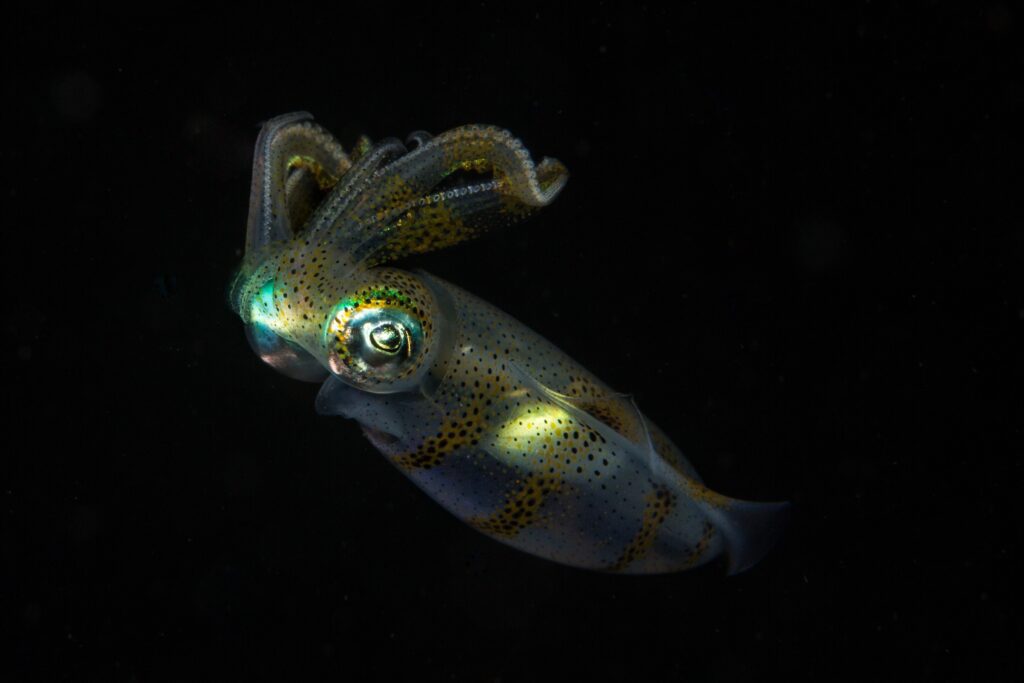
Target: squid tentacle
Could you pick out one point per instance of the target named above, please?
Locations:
(355, 184)
(470, 148)
(286, 144)
(410, 211)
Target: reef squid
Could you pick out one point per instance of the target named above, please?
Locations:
(487, 417)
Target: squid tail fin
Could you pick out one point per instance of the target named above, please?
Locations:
(749, 529)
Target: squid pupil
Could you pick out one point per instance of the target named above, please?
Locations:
(387, 338)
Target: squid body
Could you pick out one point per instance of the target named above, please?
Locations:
(487, 417)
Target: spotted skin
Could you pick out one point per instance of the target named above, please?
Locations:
(658, 506)
(490, 419)
(521, 508)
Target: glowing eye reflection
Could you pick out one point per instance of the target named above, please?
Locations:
(389, 338)
(373, 345)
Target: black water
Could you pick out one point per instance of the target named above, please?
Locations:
(795, 235)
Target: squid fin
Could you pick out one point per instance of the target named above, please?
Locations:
(749, 529)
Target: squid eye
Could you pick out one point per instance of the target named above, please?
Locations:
(375, 347)
(390, 338)
(381, 337)
(263, 328)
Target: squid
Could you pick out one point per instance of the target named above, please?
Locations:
(487, 417)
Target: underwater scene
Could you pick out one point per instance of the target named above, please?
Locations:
(513, 343)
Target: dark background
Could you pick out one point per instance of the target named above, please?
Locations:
(816, 210)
